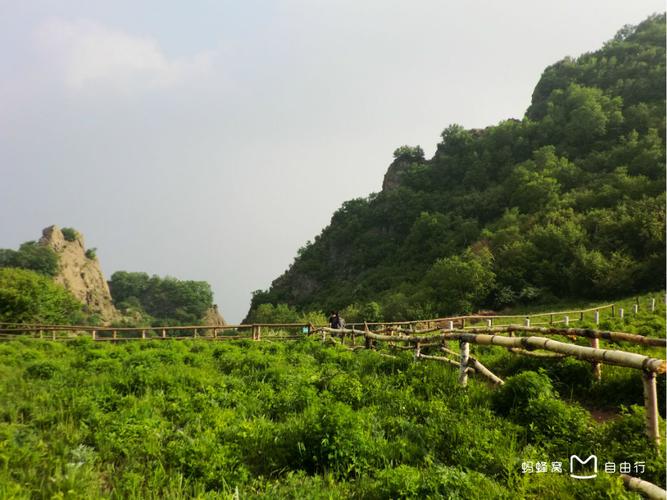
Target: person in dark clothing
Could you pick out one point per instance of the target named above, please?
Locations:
(334, 320)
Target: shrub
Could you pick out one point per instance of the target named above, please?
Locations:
(518, 390)
(557, 425)
(570, 374)
(91, 253)
(626, 441)
(69, 233)
(346, 388)
(41, 370)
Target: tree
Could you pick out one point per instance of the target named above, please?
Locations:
(33, 256)
(168, 299)
(578, 116)
(30, 297)
(409, 153)
(462, 282)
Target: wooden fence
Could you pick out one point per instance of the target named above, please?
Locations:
(520, 340)
(9, 331)
(535, 319)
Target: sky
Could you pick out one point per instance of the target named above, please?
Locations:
(210, 140)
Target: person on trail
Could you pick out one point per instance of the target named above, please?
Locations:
(341, 321)
(334, 320)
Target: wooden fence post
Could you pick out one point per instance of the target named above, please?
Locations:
(368, 343)
(652, 305)
(215, 333)
(94, 335)
(450, 327)
(613, 310)
(143, 334)
(526, 322)
(164, 333)
(597, 367)
(621, 313)
(635, 308)
(581, 316)
(114, 334)
(259, 332)
(464, 348)
(489, 323)
(551, 319)
(651, 405)
(597, 317)
(566, 320)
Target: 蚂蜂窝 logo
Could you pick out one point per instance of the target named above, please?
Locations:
(577, 463)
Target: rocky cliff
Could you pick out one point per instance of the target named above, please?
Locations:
(80, 273)
(213, 317)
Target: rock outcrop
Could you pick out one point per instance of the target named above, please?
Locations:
(404, 158)
(213, 317)
(392, 179)
(80, 273)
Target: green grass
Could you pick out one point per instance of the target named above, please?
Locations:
(180, 419)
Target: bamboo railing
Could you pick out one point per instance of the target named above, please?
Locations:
(549, 318)
(253, 331)
(432, 337)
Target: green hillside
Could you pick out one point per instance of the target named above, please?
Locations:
(567, 203)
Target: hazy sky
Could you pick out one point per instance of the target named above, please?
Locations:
(209, 140)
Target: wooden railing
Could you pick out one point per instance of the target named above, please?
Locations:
(510, 337)
(106, 333)
(469, 320)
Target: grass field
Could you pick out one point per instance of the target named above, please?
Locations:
(176, 419)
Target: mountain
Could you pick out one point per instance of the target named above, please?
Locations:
(569, 201)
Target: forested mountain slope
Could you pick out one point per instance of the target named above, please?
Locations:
(567, 202)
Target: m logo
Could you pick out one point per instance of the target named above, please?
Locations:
(578, 465)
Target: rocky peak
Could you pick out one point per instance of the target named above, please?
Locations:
(404, 157)
(80, 273)
(392, 178)
(213, 317)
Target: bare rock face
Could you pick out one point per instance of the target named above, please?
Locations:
(392, 179)
(79, 274)
(404, 158)
(213, 317)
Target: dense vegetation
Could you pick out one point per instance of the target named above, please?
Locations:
(169, 419)
(30, 297)
(568, 202)
(160, 301)
(32, 256)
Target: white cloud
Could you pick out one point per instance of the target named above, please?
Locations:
(87, 54)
